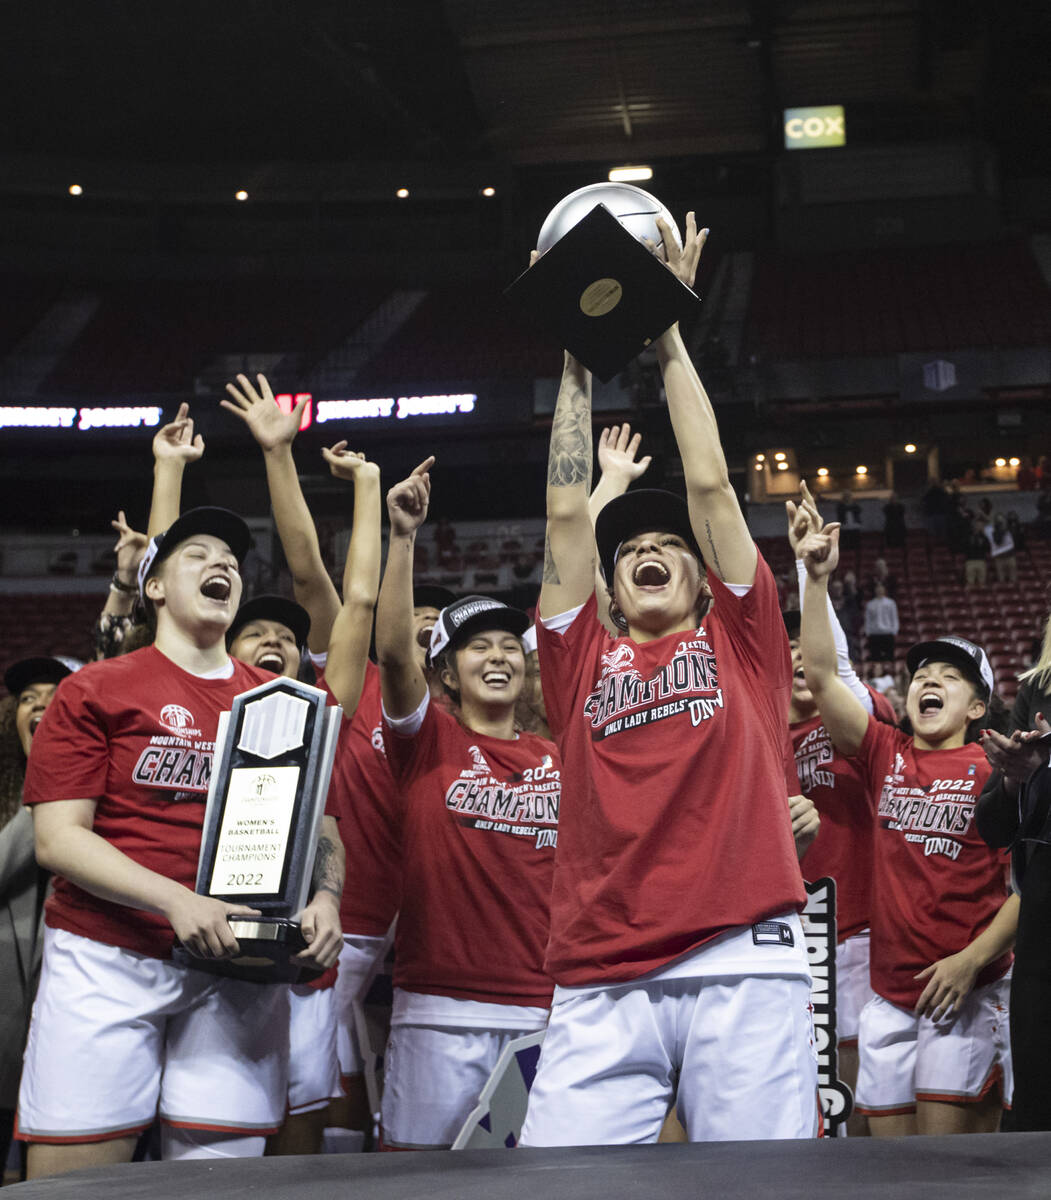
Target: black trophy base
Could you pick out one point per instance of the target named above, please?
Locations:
(267, 947)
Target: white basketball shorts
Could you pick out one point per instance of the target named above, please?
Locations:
(357, 964)
(853, 990)
(313, 1069)
(905, 1058)
(118, 1037)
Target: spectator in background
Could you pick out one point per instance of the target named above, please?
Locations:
(985, 509)
(848, 514)
(936, 505)
(881, 573)
(1016, 529)
(848, 615)
(1026, 477)
(445, 540)
(893, 522)
(961, 519)
(976, 554)
(881, 627)
(1002, 548)
(1043, 473)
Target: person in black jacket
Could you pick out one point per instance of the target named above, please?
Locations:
(1013, 810)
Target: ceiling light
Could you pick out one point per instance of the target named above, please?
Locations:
(758, 466)
(1001, 462)
(780, 456)
(241, 195)
(630, 174)
(402, 193)
(782, 466)
(910, 447)
(489, 191)
(861, 470)
(1014, 462)
(75, 189)
(760, 458)
(822, 472)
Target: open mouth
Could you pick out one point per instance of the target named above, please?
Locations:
(216, 587)
(33, 723)
(496, 678)
(798, 675)
(271, 661)
(930, 702)
(650, 573)
(423, 636)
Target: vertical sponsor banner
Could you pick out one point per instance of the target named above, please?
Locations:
(819, 930)
(495, 1123)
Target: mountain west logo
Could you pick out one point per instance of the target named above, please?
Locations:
(478, 764)
(622, 699)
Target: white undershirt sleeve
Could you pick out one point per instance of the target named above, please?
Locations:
(844, 667)
(409, 726)
(561, 621)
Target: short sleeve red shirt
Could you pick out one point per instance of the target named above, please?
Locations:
(675, 826)
(136, 734)
(364, 794)
(936, 884)
(479, 836)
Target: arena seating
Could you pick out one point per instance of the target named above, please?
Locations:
(894, 301)
(52, 623)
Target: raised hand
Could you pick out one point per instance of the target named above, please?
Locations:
(407, 502)
(1019, 755)
(270, 427)
(682, 263)
(803, 519)
(820, 551)
(616, 454)
(175, 442)
(351, 465)
(130, 547)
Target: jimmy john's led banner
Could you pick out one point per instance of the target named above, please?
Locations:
(809, 128)
(315, 412)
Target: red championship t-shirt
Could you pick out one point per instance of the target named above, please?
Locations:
(936, 884)
(479, 836)
(676, 822)
(136, 735)
(365, 795)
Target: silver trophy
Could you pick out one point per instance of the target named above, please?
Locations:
(270, 774)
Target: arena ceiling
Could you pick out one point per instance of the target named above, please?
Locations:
(515, 84)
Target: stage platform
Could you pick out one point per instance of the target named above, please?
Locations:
(1007, 1166)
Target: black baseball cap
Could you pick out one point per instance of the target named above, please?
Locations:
(43, 669)
(970, 658)
(430, 595)
(472, 614)
(219, 522)
(602, 294)
(272, 608)
(643, 511)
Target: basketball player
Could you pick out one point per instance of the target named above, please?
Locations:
(117, 781)
(479, 819)
(675, 938)
(933, 1040)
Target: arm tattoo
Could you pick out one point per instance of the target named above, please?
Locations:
(569, 459)
(711, 546)
(328, 873)
(551, 574)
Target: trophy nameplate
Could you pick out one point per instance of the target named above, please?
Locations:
(266, 797)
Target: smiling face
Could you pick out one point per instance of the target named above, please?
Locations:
(267, 644)
(941, 703)
(487, 670)
(33, 699)
(659, 585)
(197, 587)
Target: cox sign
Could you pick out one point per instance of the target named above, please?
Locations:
(806, 128)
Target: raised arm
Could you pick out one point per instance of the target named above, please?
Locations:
(348, 648)
(841, 711)
(401, 677)
(715, 514)
(617, 451)
(174, 445)
(275, 431)
(117, 613)
(569, 547)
